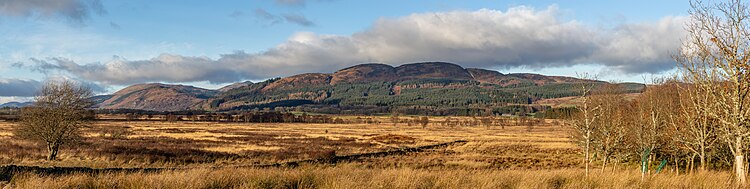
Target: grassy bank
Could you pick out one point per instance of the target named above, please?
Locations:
(352, 176)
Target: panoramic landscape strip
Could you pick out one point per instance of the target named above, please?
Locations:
(469, 94)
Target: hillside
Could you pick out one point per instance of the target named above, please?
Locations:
(437, 88)
(157, 97)
(15, 104)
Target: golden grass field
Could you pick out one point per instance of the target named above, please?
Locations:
(353, 176)
(494, 157)
(154, 143)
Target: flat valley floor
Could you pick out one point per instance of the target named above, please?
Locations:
(526, 156)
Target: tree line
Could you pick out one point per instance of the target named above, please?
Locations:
(696, 120)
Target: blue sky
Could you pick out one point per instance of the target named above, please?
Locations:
(111, 44)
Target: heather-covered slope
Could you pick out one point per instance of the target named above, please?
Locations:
(158, 97)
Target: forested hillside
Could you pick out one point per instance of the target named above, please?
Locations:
(431, 88)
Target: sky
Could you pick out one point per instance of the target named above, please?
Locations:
(110, 44)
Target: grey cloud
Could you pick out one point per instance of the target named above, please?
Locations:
(165, 68)
(296, 3)
(265, 15)
(115, 25)
(642, 47)
(291, 2)
(290, 18)
(29, 88)
(298, 19)
(76, 11)
(236, 14)
(519, 37)
(18, 87)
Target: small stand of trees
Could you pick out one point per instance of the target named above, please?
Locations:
(705, 112)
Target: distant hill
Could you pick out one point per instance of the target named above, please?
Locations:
(16, 104)
(435, 88)
(157, 97)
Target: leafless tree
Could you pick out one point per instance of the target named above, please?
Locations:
(715, 57)
(394, 117)
(424, 121)
(693, 130)
(609, 131)
(583, 123)
(57, 115)
(648, 128)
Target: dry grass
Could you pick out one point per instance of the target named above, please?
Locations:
(160, 144)
(352, 176)
(493, 157)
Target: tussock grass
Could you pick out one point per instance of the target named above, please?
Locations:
(352, 176)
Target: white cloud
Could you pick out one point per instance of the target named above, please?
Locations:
(642, 47)
(518, 37)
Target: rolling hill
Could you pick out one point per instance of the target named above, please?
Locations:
(15, 104)
(437, 88)
(157, 97)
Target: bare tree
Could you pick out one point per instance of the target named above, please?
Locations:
(424, 121)
(693, 130)
(609, 130)
(583, 123)
(56, 117)
(649, 127)
(715, 57)
(394, 117)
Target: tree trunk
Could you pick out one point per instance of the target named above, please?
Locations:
(643, 171)
(702, 156)
(739, 161)
(677, 165)
(604, 164)
(740, 169)
(692, 164)
(588, 144)
(52, 151)
(675, 170)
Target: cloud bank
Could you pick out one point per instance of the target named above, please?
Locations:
(18, 87)
(76, 11)
(518, 37)
(21, 88)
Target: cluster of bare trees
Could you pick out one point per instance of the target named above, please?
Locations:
(702, 112)
(610, 125)
(674, 119)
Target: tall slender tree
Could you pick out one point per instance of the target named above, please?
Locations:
(583, 123)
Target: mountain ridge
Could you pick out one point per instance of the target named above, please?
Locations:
(363, 85)
(16, 104)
